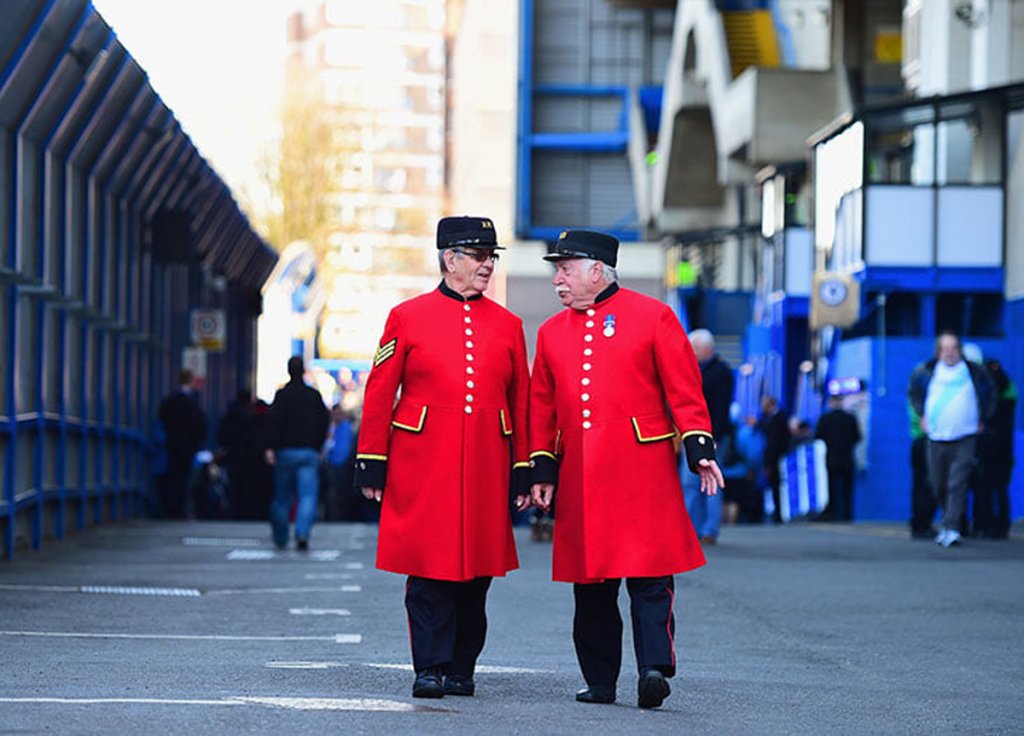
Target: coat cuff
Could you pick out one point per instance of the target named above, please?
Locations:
(698, 446)
(521, 480)
(543, 468)
(371, 472)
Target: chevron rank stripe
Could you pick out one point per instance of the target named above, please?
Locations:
(384, 352)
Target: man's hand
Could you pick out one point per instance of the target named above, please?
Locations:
(542, 495)
(269, 456)
(524, 502)
(373, 494)
(710, 477)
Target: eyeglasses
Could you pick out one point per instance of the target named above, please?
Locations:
(478, 256)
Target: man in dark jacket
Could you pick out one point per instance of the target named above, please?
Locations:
(841, 433)
(954, 399)
(774, 426)
(185, 428)
(995, 456)
(717, 383)
(298, 426)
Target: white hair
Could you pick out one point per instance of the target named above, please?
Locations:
(608, 274)
(702, 337)
(440, 261)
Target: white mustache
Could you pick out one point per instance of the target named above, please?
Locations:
(561, 290)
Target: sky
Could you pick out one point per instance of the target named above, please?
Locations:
(219, 66)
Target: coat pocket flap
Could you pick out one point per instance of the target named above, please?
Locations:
(410, 417)
(653, 427)
(506, 422)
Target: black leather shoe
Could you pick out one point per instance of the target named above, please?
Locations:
(428, 685)
(596, 695)
(652, 689)
(459, 685)
(302, 544)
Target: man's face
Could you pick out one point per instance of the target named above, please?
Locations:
(949, 350)
(576, 283)
(703, 351)
(470, 269)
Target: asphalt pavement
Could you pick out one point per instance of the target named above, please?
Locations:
(202, 627)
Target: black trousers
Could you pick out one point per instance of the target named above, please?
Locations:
(597, 627)
(992, 500)
(840, 492)
(447, 623)
(922, 500)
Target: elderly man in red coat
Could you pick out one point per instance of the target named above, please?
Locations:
(614, 379)
(444, 459)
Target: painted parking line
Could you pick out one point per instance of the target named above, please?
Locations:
(336, 638)
(487, 669)
(319, 612)
(334, 704)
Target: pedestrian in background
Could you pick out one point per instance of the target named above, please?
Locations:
(443, 460)
(954, 399)
(613, 377)
(718, 385)
(922, 498)
(185, 428)
(298, 428)
(342, 500)
(839, 430)
(774, 427)
(238, 448)
(995, 457)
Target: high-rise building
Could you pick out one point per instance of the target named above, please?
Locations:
(380, 69)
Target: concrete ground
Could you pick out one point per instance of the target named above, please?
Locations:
(201, 627)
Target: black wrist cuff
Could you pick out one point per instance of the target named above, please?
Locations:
(698, 446)
(543, 469)
(370, 473)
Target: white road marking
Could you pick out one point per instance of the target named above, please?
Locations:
(481, 668)
(305, 665)
(107, 589)
(329, 576)
(319, 612)
(307, 589)
(336, 704)
(353, 566)
(121, 590)
(337, 638)
(42, 588)
(219, 542)
(250, 555)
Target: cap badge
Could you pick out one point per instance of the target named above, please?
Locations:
(609, 325)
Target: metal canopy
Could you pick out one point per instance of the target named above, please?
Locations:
(68, 87)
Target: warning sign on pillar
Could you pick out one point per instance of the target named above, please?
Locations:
(209, 330)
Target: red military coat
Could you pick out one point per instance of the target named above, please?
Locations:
(447, 445)
(610, 386)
